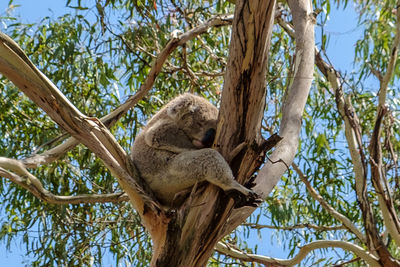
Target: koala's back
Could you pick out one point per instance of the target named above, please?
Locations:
(150, 161)
(170, 132)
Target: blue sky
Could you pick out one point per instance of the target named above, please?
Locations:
(344, 32)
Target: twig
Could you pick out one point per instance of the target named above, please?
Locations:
(297, 226)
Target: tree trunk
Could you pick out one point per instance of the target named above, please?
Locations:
(195, 228)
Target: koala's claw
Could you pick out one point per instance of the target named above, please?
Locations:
(241, 200)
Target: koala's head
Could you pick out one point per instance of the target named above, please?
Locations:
(196, 117)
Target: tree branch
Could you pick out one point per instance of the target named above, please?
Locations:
(293, 107)
(392, 61)
(337, 215)
(28, 181)
(369, 258)
(380, 182)
(297, 226)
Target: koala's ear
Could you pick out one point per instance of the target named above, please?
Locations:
(177, 111)
(193, 108)
(173, 111)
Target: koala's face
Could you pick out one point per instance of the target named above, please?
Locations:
(197, 118)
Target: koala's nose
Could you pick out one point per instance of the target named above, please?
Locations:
(208, 138)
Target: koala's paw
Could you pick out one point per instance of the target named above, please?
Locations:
(251, 183)
(241, 200)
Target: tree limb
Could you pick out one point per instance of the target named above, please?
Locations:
(352, 128)
(384, 82)
(293, 107)
(369, 258)
(296, 226)
(337, 215)
(354, 140)
(31, 183)
(379, 180)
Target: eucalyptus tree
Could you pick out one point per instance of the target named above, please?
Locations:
(77, 88)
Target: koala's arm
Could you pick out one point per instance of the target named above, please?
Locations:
(208, 165)
(167, 136)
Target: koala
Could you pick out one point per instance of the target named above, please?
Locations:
(173, 152)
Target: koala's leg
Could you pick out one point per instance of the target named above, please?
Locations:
(206, 165)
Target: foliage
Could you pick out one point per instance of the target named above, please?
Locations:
(100, 52)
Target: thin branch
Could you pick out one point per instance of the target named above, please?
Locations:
(370, 259)
(187, 68)
(380, 182)
(211, 52)
(50, 155)
(341, 264)
(297, 226)
(337, 215)
(376, 72)
(28, 181)
(392, 61)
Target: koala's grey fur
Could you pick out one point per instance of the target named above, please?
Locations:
(172, 151)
